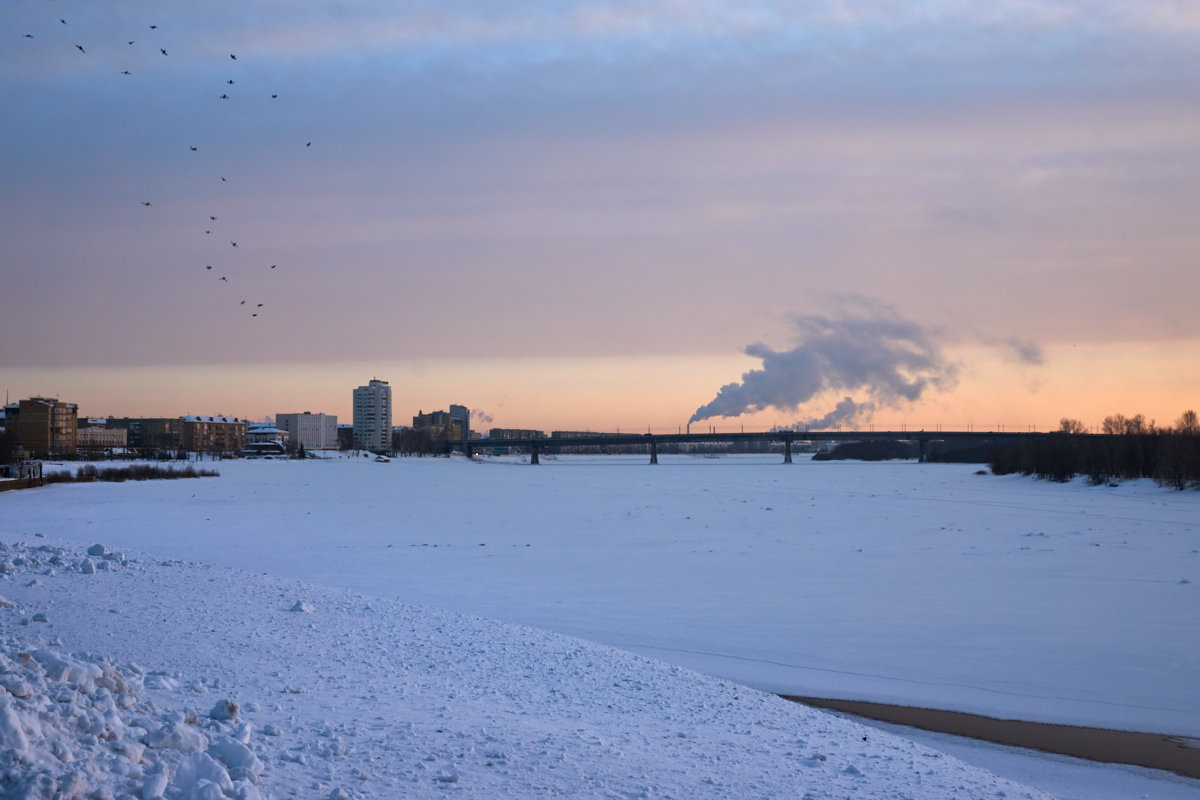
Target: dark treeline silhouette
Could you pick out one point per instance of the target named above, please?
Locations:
(1129, 448)
(137, 472)
(879, 450)
(418, 442)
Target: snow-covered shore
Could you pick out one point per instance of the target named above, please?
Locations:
(955, 585)
(920, 585)
(123, 676)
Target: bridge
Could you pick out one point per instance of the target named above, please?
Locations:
(537, 445)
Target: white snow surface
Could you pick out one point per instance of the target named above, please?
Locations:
(219, 692)
(919, 584)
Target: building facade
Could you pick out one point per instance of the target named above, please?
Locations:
(46, 426)
(310, 431)
(213, 435)
(150, 435)
(93, 438)
(453, 425)
(373, 416)
(265, 439)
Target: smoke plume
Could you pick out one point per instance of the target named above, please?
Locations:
(869, 350)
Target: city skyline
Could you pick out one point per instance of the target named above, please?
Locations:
(606, 215)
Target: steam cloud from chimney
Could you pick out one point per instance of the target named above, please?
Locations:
(868, 350)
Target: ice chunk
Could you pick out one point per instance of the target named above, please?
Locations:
(199, 771)
(177, 736)
(238, 758)
(225, 710)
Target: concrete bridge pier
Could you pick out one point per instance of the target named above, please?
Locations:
(653, 451)
(787, 450)
(533, 455)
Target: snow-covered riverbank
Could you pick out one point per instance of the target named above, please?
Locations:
(128, 676)
(926, 585)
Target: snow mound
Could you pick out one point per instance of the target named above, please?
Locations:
(71, 726)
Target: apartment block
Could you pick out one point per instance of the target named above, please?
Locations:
(310, 431)
(373, 416)
(46, 426)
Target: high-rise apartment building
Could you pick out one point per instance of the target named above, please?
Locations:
(373, 416)
(310, 431)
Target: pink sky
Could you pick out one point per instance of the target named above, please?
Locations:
(582, 215)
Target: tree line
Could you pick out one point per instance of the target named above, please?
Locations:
(137, 472)
(1129, 448)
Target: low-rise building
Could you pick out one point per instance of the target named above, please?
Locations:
(93, 438)
(214, 435)
(310, 431)
(150, 435)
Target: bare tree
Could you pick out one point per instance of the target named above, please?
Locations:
(1074, 426)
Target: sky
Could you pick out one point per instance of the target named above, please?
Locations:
(605, 215)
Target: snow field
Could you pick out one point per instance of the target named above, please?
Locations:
(255, 685)
(923, 585)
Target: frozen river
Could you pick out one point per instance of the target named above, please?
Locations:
(925, 585)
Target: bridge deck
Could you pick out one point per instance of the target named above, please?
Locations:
(775, 437)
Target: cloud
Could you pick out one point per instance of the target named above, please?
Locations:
(1026, 352)
(867, 349)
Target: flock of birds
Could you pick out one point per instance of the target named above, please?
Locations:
(255, 308)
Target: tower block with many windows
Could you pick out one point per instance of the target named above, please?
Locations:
(373, 416)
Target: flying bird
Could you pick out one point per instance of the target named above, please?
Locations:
(208, 266)
(208, 231)
(274, 265)
(225, 279)
(152, 27)
(243, 303)
(29, 36)
(308, 145)
(274, 96)
(79, 47)
(233, 243)
(63, 21)
(131, 42)
(164, 50)
(230, 81)
(190, 147)
(231, 55)
(224, 97)
(260, 305)
(223, 179)
(254, 315)
(145, 203)
(126, 72)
